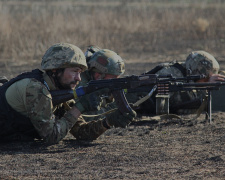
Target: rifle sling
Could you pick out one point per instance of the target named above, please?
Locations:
(202, 107)
(107, 112)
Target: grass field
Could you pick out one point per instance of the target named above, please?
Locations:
(142, 31)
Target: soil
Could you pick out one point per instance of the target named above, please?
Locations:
(150, 148)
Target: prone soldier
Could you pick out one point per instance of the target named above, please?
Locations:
(185, 102)
(27, 111)
(102, 64)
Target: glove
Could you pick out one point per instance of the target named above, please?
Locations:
(118, 119)
(91, 102)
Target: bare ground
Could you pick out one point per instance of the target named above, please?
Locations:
(149, 148)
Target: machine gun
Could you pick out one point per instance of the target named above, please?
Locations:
(164, 88)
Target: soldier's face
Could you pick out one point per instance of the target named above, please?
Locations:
(70, 77)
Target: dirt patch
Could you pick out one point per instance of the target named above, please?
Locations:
(148, 149)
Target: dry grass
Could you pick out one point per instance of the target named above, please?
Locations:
(133, 28)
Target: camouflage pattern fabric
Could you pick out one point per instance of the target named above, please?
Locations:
(90, 51)
(88, 128)
(32, 99)
(87, 131)
(101, 61)
(105, 106)
(177, 98)
(63, 55)
(107, 62)
(201, 62)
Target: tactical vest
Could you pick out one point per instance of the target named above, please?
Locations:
(13, 125)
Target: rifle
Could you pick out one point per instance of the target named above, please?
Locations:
(117, 87)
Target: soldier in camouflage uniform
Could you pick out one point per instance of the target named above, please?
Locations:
(197, 62)
(26, 109)
(102, 64)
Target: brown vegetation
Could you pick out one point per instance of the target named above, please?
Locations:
(145, 33)
(138, 30)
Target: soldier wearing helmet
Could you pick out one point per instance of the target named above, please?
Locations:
(102, 64)
(197, 62)
(26, 108)
(201, 62)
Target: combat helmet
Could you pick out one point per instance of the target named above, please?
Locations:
(107, 62)
(201, 62)
(63, 55)
(90, 51)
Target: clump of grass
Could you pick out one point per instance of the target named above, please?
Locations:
(201, 25)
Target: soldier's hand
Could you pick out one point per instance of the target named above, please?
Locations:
(90, 102)
(216, 77)
(118, 119)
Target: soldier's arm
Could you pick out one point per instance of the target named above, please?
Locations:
(40, 110)
(92, 130)
(95, 127)
(88, 130)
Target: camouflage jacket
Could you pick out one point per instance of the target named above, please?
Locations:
(32, 99)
